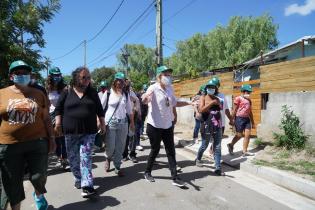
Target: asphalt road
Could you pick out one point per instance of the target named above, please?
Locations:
(204, 190)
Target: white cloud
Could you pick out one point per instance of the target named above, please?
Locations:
(305, 9)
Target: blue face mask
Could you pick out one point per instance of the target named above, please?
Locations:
(56, 79)
(22, 79)
(210, 91)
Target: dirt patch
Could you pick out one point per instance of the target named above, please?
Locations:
(298, 162)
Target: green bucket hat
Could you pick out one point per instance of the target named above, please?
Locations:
(216, 81)
(145, 87)
(103, 84)
(161, 69)
(54, 70)
(210, 83)
(19, 64)
(246, 87)
(120, 75)
(202, 87)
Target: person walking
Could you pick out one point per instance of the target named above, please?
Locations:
(161, 101)
(26, 137)
(197, 114)
(77, 112)
(244, 121)
(119, 106)
(54, 86)
(103, 88)
(210, 107)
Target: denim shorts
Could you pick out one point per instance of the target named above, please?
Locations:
(242, 123)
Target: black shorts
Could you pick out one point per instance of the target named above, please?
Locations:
(242, 123)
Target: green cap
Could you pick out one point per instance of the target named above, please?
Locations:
(103, 84)
(216, 81)
(247, 88)
(161, 69)
(202, 87)
(19, 64)
(210, 83)
(119, 75)
(54, 70)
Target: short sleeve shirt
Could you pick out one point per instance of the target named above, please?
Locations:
(160, 113)
(22, 115)
(244, 106)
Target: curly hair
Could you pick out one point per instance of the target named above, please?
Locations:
(49, 84)
(75, 80)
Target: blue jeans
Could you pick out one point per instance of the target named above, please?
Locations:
(196, 129)
(217, 138)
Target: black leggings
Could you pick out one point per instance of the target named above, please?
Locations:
(167, 136)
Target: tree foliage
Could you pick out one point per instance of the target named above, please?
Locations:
(242, 39)
(103, 73)
(21, 31)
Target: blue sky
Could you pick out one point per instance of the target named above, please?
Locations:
(81, 20)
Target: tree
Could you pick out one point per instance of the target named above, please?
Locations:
(141, 62)
(21, 32)
(242, 39)
(103, 73)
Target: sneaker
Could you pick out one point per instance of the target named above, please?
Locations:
(119, 172)
(230, 147)
(133, 159)
(178, 182)
(107, 165)
(199, 163)
(64, 164)
(88, 192)
(244, 154)
(77, 184)
(139, 148)
(40, 202)
(178, 169)
(149, 177)
(125, 159)
(218, 172)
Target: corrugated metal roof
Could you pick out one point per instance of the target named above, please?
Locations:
(257, 59)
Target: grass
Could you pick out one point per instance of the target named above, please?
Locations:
(301, 166)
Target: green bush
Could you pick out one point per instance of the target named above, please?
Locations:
(293, 136)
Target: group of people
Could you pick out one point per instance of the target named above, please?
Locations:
(66, 119)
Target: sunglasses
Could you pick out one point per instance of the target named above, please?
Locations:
(167, 102)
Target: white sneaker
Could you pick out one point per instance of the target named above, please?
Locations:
(139, 148)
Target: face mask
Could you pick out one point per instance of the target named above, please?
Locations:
(210, 91)
(56, 79)
(166, 80)
(22, 79)
(246, 95)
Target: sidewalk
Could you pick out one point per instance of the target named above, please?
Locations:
(278, 177)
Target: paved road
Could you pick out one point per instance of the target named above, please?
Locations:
(204, 190)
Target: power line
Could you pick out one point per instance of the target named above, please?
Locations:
(106, 24)
(68, 53)
(169, 18)
(171, 48)
(128, 29)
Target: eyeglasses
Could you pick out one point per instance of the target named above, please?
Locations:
(167, 101)
(85, 78)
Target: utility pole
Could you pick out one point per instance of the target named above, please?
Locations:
(159, 49)
(84, 53)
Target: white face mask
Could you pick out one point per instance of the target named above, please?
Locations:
(246, 95)
(166, 80)
(210, 91)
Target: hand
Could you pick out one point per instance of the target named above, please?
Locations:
(58, 130)
(132, 126)
(102, 127)
(232, 122)
(147, 97)
(51, 145)
(253, 126)
(175, 121)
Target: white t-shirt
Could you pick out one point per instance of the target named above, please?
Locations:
(161, 103)
(123, 108)
(225, 107)
(53, 97)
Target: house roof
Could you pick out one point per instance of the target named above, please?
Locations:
(276, 54)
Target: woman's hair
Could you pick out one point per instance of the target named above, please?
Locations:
(113, 84)
(75, 80)
(50, 84)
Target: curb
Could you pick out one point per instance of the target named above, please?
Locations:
(278, 177)
(282, 178)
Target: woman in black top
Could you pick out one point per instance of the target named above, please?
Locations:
(76, 111)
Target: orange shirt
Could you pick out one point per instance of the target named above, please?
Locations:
(22, 114)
